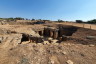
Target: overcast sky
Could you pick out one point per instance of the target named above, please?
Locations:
(49, 9)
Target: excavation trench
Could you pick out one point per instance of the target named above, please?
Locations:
(59, 33)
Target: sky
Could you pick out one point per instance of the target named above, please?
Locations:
(68, 10)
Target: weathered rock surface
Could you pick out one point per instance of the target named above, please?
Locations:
(91, 37)
(3, 23)
(69, 62)
(9, 41)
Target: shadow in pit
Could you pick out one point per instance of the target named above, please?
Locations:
(59, 33)
(25, 37)
(67, 31)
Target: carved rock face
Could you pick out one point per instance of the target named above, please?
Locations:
(36, 39)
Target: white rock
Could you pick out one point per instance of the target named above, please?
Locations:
(26, 42)
(52, 62)
(54, 41)
(46, 42)
(91, 45)
(40, 44)
(49, 38)
(69, 62)
(64, 53)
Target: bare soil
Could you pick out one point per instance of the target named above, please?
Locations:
(78, 49)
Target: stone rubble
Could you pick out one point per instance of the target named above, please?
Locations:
(69, 62)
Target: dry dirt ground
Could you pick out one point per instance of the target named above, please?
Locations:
(93, 26)
(76, 50)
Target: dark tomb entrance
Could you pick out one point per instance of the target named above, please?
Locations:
(25, 37)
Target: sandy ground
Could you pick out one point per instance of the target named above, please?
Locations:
(80, 25)
(68, 52)
(49, 54)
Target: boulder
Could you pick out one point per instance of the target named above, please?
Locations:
(1, 38)
(46, 42)
(69, 62)
(91, 37)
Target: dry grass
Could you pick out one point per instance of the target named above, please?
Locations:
(80, 25)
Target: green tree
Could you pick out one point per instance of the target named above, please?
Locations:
(60, 20)
(92, 21)
(79, 21)
(33, 19)
(19, 18)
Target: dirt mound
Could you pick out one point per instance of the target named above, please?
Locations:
(80, 36)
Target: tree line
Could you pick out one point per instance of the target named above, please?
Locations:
(89, 22)
(81, 21)
(59, 20)
(17, 18)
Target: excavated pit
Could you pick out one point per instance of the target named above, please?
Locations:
(60, 32)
